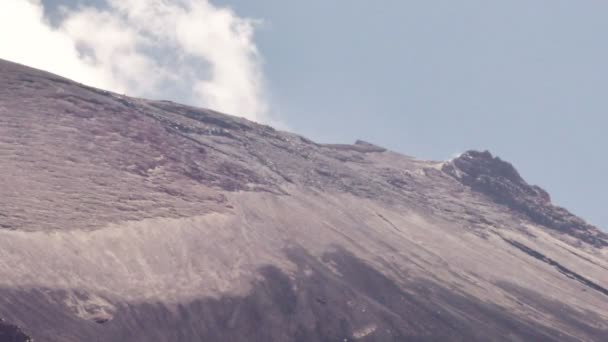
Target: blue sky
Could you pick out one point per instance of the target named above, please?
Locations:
(527, 80)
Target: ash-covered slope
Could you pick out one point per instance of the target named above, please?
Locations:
(125, 219)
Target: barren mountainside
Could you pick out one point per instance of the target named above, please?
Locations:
(124, 219)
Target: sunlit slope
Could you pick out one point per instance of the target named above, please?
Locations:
(134, 220)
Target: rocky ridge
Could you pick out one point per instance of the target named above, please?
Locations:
(141, 220)
(500, 181)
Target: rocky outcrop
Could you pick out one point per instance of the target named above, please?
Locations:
(500, 181)
(12, 333)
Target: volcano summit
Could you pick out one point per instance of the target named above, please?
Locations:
(124, 219)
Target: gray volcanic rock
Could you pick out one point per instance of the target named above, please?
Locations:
(500, 181)
(11, 333)
(125, 219)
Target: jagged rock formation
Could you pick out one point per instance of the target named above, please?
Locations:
(126, 219)
(11, 333)
(502, 183)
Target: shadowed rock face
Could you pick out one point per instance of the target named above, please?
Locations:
(135, 220)
(11, 333)
(500, 181)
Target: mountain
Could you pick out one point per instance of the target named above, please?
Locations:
(124, 219)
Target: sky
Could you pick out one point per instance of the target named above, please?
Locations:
(527, 80)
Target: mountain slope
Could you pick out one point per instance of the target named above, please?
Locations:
(126, 219)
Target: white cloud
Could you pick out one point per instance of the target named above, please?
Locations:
(187, 50)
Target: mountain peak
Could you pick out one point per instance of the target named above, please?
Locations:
(140, 220)
(476, 163)
(478, 168)
(500, 180)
